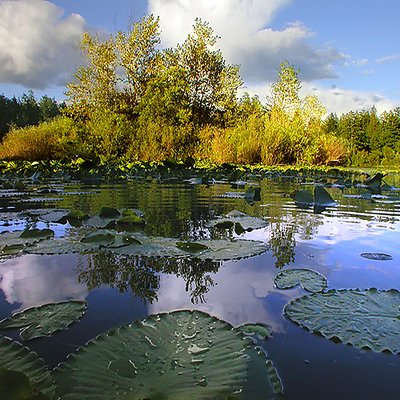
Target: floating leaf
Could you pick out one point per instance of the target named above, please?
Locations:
(377, 256)
(109, 212)
(142, 245)
(37, 234)
(375, 182)
(258, 330)
(303, 197)
(322, 197)
(309, 280)
(26, 370)
(191, 247)
(235, 217)
(100, 238)
(45, 320)
(364, 319)
(179, 355)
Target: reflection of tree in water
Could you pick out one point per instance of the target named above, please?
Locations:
(140, 274)
(121, 272)
(282, 243)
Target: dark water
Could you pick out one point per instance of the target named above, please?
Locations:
(329, 241)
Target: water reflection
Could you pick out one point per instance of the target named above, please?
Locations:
(35, 280)
(141, 275)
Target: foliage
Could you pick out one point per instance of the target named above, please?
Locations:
(56, 139)
(25, 111)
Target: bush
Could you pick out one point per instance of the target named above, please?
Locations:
(56, 139)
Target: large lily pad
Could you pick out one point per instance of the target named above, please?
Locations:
(309, 280)
(142, 245)
(45, 320)
(179, 355)
(362, 318)
(23, 373)
(235, 218)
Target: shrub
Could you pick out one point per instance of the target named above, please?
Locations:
(49, 140)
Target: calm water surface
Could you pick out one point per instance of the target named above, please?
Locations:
(329, 241)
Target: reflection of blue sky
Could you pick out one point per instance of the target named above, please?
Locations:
(239, 295)
(34, 280)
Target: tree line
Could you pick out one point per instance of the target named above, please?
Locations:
(26, 111)
(133, 100)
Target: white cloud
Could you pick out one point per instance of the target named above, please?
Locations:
(37, 44)
(386, 59)
(29, 282)
(247, 37)
(335, 99)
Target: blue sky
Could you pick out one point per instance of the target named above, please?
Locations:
(347, 51)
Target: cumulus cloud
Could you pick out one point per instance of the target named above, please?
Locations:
(247, 37)
(336, 99)
(37, 43)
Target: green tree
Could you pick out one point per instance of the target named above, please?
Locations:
(211, 83)
(285, 91)
(48, 108)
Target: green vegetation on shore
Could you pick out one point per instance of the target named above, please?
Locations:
(134, 102)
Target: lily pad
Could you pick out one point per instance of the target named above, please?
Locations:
(45, 320)
(142, 245)
(37, 234)
(363, 318)
(320, 197)
(309, 280)
(191, 247)
(377, 256)
(258, 330)
(237, 218)
(23, 373)
(179, 355)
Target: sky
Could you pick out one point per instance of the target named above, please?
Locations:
(347, 52)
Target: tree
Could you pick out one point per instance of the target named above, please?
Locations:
(285, 92)
(211, 84)
(117, 70)
(48, 108)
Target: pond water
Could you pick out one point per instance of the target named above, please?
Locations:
(119, 288)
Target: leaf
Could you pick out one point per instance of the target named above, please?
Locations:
(377, 256)
(309, 280)
(142, 245)
(375, 182)
(322, 197)
(179, 355)
(109, 212)
(45, 320)
(235, 217)
(303, 197)
(258, 330)
(191, 247)
(363, 318)
(37, 234)
(20, 364)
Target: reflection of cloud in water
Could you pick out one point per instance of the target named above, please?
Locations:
(239, 295)
(34, 280)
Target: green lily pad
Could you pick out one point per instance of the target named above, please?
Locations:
(179, 355)
(45, 320)
(309, 280)
(100, 238)
(377, 256)
(191, 247)
(109, 212)
(23, 374)
(320, 198)
(363, 318)
(141, 245)
(37, 234)
(258, 330)
(238, 218)
(303, 197)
